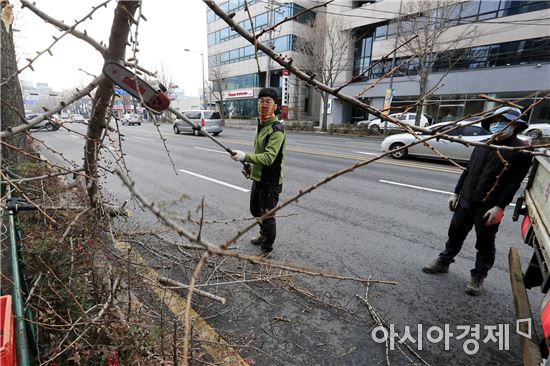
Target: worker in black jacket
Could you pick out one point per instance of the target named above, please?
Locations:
(489, 183)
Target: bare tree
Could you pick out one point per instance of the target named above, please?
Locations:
(13, 110)
(322, 52)
(117, 48)
(216, 83)
(430, 22)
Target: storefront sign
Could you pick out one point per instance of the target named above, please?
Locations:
(240, 93)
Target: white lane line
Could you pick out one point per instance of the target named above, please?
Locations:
(212, 150)
(76, 137)
(422, 188)
(415, 187)
(215, 181)
(142, 138)
(367, 153)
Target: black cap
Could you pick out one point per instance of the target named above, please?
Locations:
(269, 92)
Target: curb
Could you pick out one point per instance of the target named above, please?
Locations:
(215, 345)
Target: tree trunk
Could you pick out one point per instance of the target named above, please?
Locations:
(324, 126)
(120, 29)
(12, 107)
(422, 84)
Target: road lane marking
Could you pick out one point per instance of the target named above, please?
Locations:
(212, 150)
(366, 153)
(415, 187)
(142, 138)
(215, 181)
(422, 188)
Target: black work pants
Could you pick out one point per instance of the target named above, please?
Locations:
(466, 216)
(263, 198)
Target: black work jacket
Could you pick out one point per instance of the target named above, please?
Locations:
(478, 183)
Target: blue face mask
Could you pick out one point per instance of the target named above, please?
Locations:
(496, 127)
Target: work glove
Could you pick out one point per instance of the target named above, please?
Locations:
(453, 202)
(494, 216)
(238, 155)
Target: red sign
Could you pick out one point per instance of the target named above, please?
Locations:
(285, 72)
(237, 94)
(240, 93)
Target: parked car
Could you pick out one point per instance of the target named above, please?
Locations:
(78, 118)
(210, 120)
(377, 125)
(364, 123)
(538, 130)
(51, 124)
(453, 150)
(131, 119)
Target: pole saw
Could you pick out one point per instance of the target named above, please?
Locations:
(156, 100)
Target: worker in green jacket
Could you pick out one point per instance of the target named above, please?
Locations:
(267, 167)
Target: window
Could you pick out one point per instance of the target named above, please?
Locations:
(502, 54)
(285, 43)
(381, 31)
(469, 12)
(212, 115)
(211, 16)
(478, 57)
(513, 7)
(212, 39)
(193, 115)
(455, 132)
(362, 53)
(473, 131)
(488, 9)
(260, 21)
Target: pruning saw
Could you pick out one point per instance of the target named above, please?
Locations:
(156, 100)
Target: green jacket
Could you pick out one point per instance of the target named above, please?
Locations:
(269, 153)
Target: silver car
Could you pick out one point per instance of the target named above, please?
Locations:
(131, 119)
(538, 130)
(453, 150)
(211, 121)
(51, 124)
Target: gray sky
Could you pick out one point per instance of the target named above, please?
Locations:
(171, 26)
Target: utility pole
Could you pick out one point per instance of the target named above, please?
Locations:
(393, 65)
(269, 21)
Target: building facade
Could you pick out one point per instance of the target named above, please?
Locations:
(505, 55)
(39, 95)
(236, 76)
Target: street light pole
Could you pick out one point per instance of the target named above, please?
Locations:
(203, 85)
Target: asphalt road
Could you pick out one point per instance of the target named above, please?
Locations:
(386, 220)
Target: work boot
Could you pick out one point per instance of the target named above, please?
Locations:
(258, 240)
(437, 266)
(266, 252)
(475, 286)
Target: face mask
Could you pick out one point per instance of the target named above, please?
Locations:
(501, 126)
